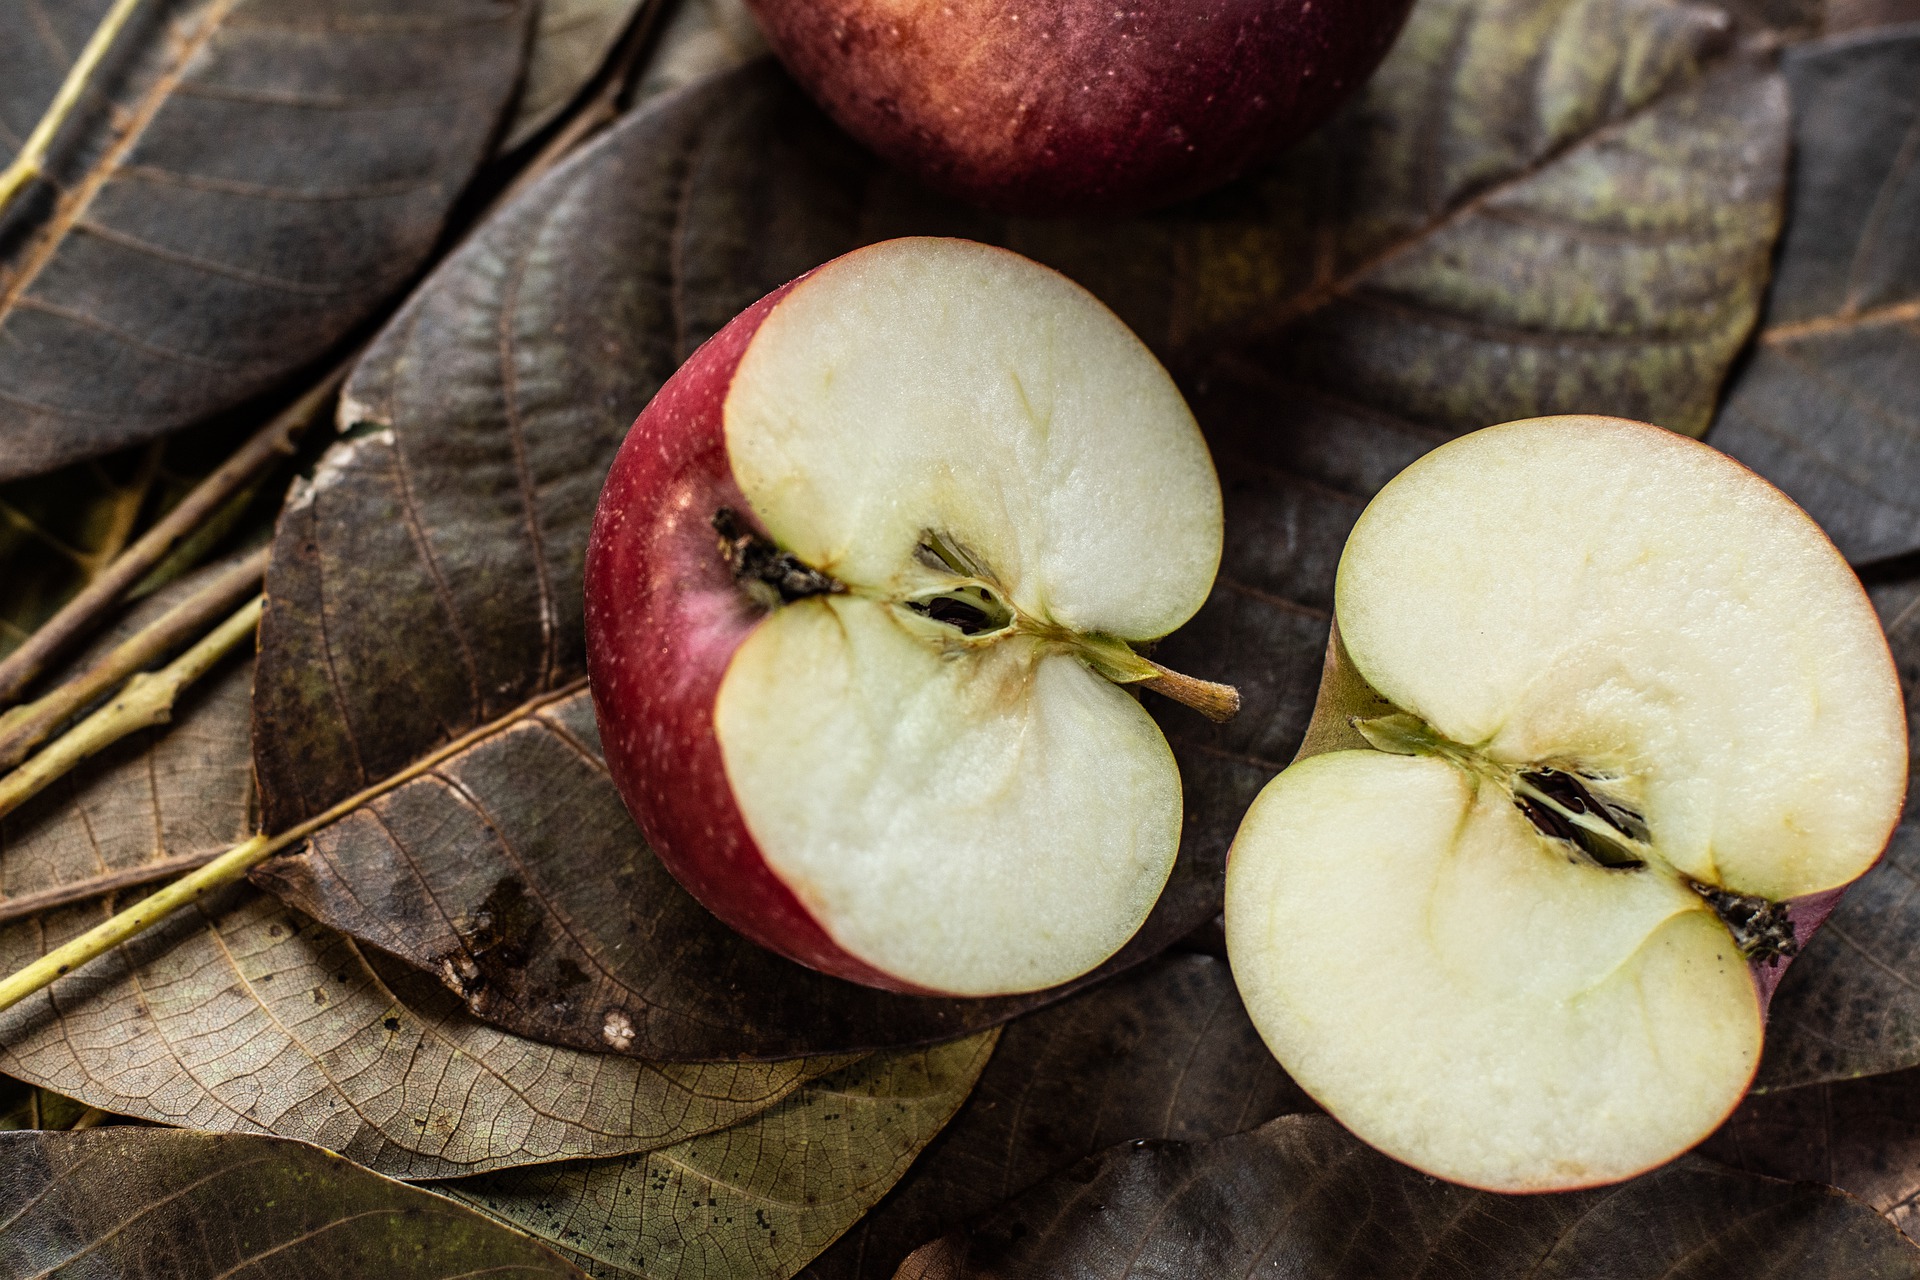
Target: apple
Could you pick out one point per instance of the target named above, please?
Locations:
(1078, 106)
(863, 590)
(1605, 721)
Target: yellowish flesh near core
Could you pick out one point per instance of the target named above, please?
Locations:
(1464, 997)
(1608, 594)
(973, 813)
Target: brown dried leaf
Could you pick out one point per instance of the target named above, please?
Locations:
(759, 1199)
(1862, 1136)
(143, 1204)
(1165, 1052)
(1828, 405)
(1302, 1197)
(242, 1016)
(242, 184)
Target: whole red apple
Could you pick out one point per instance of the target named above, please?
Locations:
(1079, 106)
(862, 590)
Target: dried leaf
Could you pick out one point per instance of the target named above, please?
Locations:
(1302, 1197)
(244, 182)
(137, 1202)
(1849, 1004)
(242, 1016)
(1828, 406)
(1862, 1136)
(428, 581)
(701, 38)
(1163, 1052)
(571, 41)
(759, 1199)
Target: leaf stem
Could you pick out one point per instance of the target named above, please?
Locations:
(234, 864)
(31, 162)
(82, 613)
(146, 701)
(28, 725)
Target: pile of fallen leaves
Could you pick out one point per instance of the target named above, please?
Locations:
(358, 299)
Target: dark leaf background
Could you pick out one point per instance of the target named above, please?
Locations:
(1236, 1206)
(158, 1204)
(1538, 206)
(1828, 404)
(427, 581)
(244, 182)
(1164, 1051)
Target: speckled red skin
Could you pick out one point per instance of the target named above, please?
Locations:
(1079, 106)
(664, 618)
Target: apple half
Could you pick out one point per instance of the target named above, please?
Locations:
(1604, 719)
(863, 591)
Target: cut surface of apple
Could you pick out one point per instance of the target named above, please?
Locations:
(877, 720)
(1601, 704)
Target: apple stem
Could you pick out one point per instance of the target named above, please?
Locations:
(1217, 702)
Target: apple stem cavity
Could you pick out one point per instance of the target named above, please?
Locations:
(1563, 806)
(1761, 928)
(768, 574)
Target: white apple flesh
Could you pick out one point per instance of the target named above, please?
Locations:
(1600, 703)
(879, 726)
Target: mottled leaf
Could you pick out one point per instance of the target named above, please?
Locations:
(759, 1199)
(1828, 405)
(571, 41)
(240, 1015)
(1301, 1197)
(1862, 1136)
(243, 183)
(1849, 1004)
(156, 1204)
(1163, 1052)
(1524, 238)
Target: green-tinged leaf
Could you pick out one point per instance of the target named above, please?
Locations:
(757, 1200)
(57, 532)
(148, 1204)
(23, 1106)
(1302, 1197)
(571, 41)
(1163, 1052)
(1523, 202)
(1828, 405)
(243, 1016)
(1862, 1136)
(1850, 1003)
(243, 182)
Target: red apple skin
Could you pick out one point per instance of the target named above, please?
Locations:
(1079, 106)
(664, 618)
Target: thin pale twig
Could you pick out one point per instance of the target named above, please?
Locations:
(146, 701)
(28, 725)
(81, 614)
(32, 160)
(234, 864)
